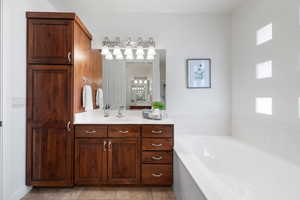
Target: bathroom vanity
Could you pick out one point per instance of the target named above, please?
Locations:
(67, 146)
(130, 150)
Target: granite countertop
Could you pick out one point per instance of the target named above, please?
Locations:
(131, 117)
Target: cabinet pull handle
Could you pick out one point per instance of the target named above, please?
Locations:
(91, 132)
(109, 146)
(157, 132)
(157, 145)
(68, 126)
(157, 157)
(69, 57)
(158, 175)
(104, 146)
(123, 132)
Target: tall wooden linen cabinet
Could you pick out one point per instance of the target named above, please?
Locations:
(59, 54)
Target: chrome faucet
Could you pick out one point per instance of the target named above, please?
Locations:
(120, 111)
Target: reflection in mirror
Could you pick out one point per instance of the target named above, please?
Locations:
(135, 83)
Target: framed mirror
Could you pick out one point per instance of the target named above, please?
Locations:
(135, 84)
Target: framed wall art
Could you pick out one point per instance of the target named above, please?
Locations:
(198, 73)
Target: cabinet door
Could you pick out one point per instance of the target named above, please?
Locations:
(91, 161)
(50, 134)
(50, 41)
(124, 161)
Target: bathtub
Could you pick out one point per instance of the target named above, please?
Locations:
(222, 168)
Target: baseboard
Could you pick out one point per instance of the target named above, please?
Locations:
(21, 192)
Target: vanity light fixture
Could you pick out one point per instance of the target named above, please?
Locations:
(105, 50)
(129, 57)
(116, 48)
(119, 57)
(109, 56)
(140, 57)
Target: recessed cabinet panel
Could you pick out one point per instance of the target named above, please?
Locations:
(91, 161)
(49, 41)
(124, 161)
(50, 155)
(50, 134)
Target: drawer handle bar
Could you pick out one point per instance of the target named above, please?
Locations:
(157, 145)
(123, 132)
(157, 157)
(157, 132)
(68, 126)
(158, 175)
(91, 132)
(69, 57)
(104, 145)
(109, 146)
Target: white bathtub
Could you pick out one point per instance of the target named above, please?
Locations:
(225, 169)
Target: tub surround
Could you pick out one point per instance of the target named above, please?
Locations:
(226, 169)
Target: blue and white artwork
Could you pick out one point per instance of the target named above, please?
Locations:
(199, 73)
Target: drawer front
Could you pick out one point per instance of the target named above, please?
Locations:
(160, 144)
(123, 131)
(90, 131)
(157, 131)
(157, 175)
(157, 157)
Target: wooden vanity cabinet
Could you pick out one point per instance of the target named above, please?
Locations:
(157, 154)
(58, 49)
(50, 41)
(90, 161)
(116, 155)
(121, 156)
(124, 161)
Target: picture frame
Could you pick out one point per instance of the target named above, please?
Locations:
(198, 73)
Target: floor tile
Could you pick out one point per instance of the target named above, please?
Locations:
(98, 193)
(163, 194)
(101, 193)
(133, 194)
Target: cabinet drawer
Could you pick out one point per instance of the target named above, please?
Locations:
(157, 144)
(157, 157)
(157, 175)
(123, 131)
(157, 131)
(90, 131)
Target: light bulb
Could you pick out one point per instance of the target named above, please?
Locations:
(128, 51)
(117, 51)
(129, 57)
(150, 57)
(140, 51)
(105, 50)
(151, 51)
(119, 57)
(109, 56)
(140, 57)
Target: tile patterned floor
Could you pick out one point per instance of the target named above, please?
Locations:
(101, 193)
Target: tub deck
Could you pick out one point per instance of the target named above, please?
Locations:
(225, 169)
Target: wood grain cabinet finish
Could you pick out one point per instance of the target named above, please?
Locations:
(157, 157)
(124, 131)
(157, 131)
(91, 131)
(124, 161)
(157, 175)
(50, 41)
(49, 134)
(131, 159)
(51, 64)
(90, 161)
(153, 144)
